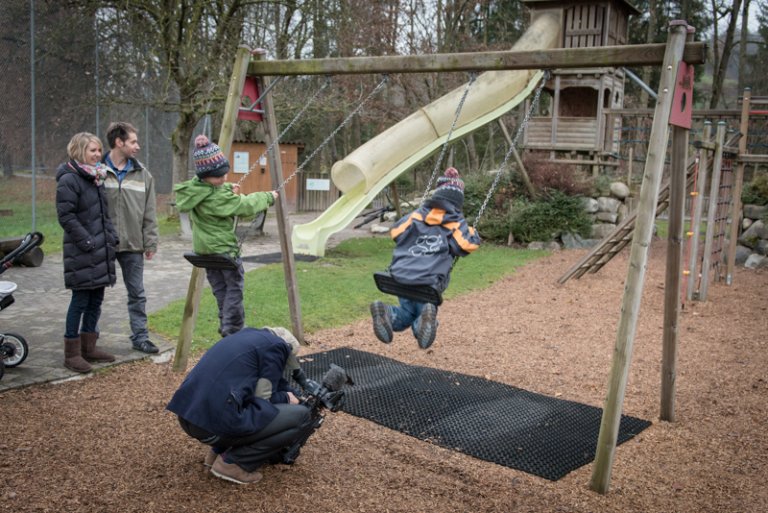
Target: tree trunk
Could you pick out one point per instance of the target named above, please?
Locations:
(719, 76)
(650, 36)
(474, 159)
(743, 42)
(180, 138)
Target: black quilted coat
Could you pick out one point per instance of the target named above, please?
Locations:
(89, 237)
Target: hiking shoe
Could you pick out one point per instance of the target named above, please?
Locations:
(210, 458)
(382, 324)
(233, 472)
(426, 327)
(145, 347)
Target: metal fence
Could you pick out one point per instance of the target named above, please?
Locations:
(53, 88)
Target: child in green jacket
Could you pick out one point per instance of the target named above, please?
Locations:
(213, 206)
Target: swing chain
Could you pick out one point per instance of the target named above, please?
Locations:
(472, 77)
(360, 105)
(288, 127)
(520, 129)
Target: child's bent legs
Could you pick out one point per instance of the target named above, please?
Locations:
(405, 315)
(227, 287)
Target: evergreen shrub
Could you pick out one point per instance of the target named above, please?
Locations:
(548, 217)
(756, 191)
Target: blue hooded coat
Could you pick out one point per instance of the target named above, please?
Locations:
(219, 393)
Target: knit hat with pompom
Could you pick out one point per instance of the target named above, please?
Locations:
(450, 187)
(209, 160)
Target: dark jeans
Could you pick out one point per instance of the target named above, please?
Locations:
(132, 267)
(84, 312)
(405, 315)
(252, 451)
(227, 287)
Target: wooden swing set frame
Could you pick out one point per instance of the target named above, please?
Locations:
(669, 55)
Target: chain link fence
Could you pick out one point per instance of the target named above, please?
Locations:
(64, 92)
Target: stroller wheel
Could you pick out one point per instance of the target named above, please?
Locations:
(13, 349)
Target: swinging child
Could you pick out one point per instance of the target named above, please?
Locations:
(427, 242)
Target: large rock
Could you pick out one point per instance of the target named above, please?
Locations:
(605, 204)
(377, 228)
(753, 234)
(542, 245)
(619, 190)
(576, 241)
(590, 205)
(742, 254)
(602, 230)
(755, 211)
(756, 261)
(607, 217)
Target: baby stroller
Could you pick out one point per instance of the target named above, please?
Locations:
(13, 347)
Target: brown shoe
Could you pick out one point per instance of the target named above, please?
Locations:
(92, 353)
(73, 360)
(233, 472)
(210, 457)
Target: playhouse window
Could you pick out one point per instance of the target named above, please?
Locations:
(579, 102)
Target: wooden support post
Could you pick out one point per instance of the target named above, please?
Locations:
(714, 196)
(737, 188)
(638, 260)
(189, 316)
(197, 279)
(523, 173)
(284, 227)
(630, 165)
(396, 200)
(695, 228)
(674, 271)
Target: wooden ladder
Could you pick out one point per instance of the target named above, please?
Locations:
(611, 245)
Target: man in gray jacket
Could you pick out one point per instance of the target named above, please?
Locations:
(131, 197)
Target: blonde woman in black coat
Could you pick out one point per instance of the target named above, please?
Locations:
(89, 248)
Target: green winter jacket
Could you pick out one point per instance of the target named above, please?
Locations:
(212, 212)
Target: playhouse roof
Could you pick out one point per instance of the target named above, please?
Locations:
(561, 3)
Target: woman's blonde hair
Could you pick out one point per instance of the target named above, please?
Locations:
(78, 144)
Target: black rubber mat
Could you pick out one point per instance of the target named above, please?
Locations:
(540, 435)
(274, 258)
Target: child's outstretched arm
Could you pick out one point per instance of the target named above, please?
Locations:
(464, 239)
(255, 202)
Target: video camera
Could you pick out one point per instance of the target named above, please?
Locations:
(327, 394)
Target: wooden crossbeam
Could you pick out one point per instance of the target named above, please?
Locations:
(613, 56)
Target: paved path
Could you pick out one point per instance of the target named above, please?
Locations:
(41, 305)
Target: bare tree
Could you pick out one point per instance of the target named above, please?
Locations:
(190, 47)
(743, 43)
(721, 61)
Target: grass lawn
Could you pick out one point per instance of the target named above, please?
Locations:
(17, 194)
(334, 290)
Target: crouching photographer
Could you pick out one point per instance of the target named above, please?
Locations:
(237, 401)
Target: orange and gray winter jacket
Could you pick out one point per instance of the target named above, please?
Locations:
(427, 241)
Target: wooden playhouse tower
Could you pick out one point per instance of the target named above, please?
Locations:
(572, 127)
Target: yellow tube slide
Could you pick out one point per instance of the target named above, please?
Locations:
(372, 166)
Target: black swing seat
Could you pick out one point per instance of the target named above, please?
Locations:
(422, 293)
(218, 261)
